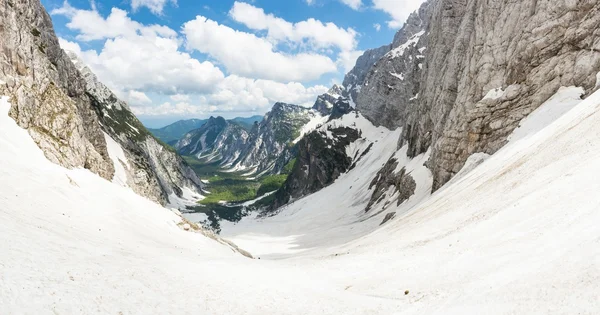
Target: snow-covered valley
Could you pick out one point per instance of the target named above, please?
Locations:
(517, 234)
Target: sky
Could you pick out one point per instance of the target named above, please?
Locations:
(181, 59)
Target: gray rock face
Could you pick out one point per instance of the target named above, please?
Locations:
(354, 79)
(528, 49)
(154, 171)
(325, 102)
(47, 92)
(393, 82)
(270, 141)
(402, 183)
(484, 66)
(218, 139)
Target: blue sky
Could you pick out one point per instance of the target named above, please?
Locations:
(178, 59)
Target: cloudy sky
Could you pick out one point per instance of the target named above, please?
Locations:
(177, 59)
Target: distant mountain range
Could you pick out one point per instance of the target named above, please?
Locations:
(172, 133)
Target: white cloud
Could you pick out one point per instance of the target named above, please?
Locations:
(137, 97)
(236, 94)
(399, 10)
(92, 26)
(155, 6)
(167, 109)
(260, 94)
(147, 63)
(247, 55)
(310, 2)
(355, 4)
(139, 62)
(180, 98)
(377, 26)
(318, 35)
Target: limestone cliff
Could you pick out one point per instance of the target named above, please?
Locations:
(482, 67)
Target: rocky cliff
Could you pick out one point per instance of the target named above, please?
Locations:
(74, 118)
(152, 169)
(476, 69)
(353, 81)
(48, 94)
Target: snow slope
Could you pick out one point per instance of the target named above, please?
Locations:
(517, 234)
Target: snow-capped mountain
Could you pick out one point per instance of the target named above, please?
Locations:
(325, 102)
(218, 139)
(269, 144)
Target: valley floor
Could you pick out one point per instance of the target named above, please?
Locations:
(517, 234)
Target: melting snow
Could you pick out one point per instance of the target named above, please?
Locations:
(399, 51)
(119, 160)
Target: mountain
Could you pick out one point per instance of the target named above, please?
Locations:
(218, 139)
(141, 162)
(479, 195)
(268, 147)
(324, 102)
(458, 83)
(76, 120)
(172, 133)
(247, 122)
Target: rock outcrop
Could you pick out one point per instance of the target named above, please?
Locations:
(321, 159)
(401, 183)
(48, 94)
(324, 102)
(481, 67)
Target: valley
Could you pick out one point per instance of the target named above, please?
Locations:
(227, 194)
(454, 171)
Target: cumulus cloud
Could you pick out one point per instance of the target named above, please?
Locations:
(143, 63)
(92, 26)
(399, 10)
(355, 4)
(155, 6)
(149, 63)
(317, 34)
(236, 94)
(247, 55)
(377, 26)
(138, 98)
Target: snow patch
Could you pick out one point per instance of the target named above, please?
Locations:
(399, 51)
(493, 94)
(120, 162)
(398, 75)
(556, 106)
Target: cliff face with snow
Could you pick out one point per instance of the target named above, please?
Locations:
(47, 93)
(151, 169)
(75, 119)
(462, 75)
